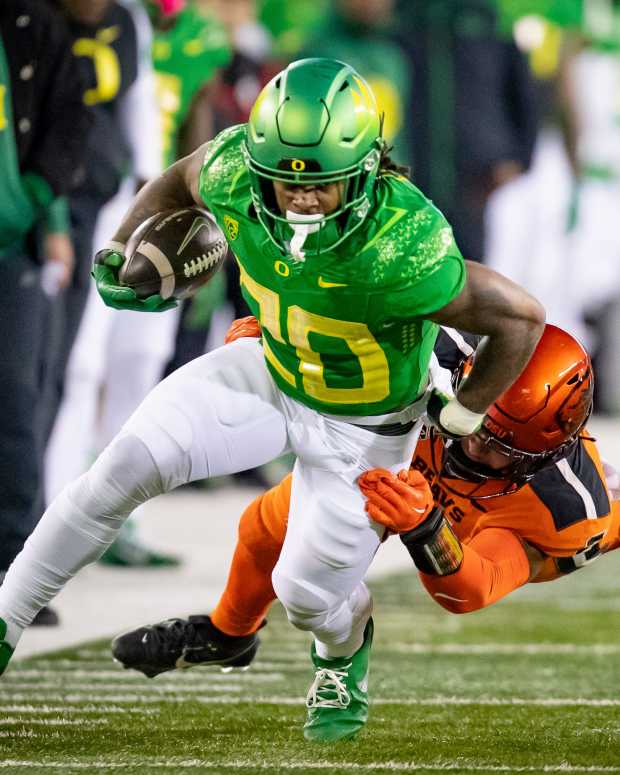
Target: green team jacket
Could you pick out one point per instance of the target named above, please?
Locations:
(344, 332)
(185, 57)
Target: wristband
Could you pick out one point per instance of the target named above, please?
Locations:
(114, 246)
(460, 420)
(433, 545)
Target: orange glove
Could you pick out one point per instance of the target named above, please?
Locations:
(401, 502)
(248, 326)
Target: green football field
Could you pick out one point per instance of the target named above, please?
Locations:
(530, 685)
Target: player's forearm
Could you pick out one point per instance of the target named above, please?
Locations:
(500, 359)
(169, 191)
(494, 564)
(512, 322)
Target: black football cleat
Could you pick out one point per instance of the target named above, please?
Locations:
(183, 643)
(47, 617)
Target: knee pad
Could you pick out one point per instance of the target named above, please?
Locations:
(123, 477)
(307, 607)
(94, 507)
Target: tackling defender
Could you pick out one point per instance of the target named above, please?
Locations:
(349, 270)
(524, 499)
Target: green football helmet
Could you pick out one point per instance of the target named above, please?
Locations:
(314, 123)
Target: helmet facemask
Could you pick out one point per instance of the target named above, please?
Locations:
(315, 123)
(468, 478)
(535, 422)
(356, 200)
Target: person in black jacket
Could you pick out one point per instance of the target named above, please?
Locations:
(43, 123)
(105, 47)
(474, 109)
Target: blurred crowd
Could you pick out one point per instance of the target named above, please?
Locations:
(508, 116)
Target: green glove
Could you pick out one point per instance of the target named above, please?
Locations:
(105, 272)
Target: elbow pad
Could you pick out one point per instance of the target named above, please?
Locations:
(433, 545)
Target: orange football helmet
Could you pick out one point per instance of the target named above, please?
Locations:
(534, 423)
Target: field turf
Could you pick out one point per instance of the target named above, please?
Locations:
(530, 685)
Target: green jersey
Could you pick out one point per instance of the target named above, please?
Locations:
(344, 331)
(185, 57)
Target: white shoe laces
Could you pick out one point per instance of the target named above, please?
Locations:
(332, 683)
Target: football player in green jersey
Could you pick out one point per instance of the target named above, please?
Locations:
(349, 269)
(188, 50)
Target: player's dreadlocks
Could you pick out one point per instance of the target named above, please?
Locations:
(387, 164)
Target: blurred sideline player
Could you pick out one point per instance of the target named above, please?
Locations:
(350, 270)
(523, 500)
(74, 436)
(117, 359)
(590, 89)
(569, 199)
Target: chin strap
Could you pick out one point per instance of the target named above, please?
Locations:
(302, 225)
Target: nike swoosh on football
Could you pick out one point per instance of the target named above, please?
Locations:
(197, 225)
(326, 284)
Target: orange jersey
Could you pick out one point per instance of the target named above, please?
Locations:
(565, 511)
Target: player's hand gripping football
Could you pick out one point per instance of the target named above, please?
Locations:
(242, 327)
(105, 272)
(399, 502)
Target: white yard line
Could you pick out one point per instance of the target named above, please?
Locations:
(196, 677)
(68, 688)
(237, 766)
(62, 687)
(98, 710)
(484, 649)
(54, 722)
(78, 697)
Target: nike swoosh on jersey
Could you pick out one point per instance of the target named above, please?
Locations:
(326, 284)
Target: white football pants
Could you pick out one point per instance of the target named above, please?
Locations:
(220, 414)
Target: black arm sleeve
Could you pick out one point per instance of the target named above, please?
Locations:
(453, 346)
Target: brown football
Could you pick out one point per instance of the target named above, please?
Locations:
(173, 253)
